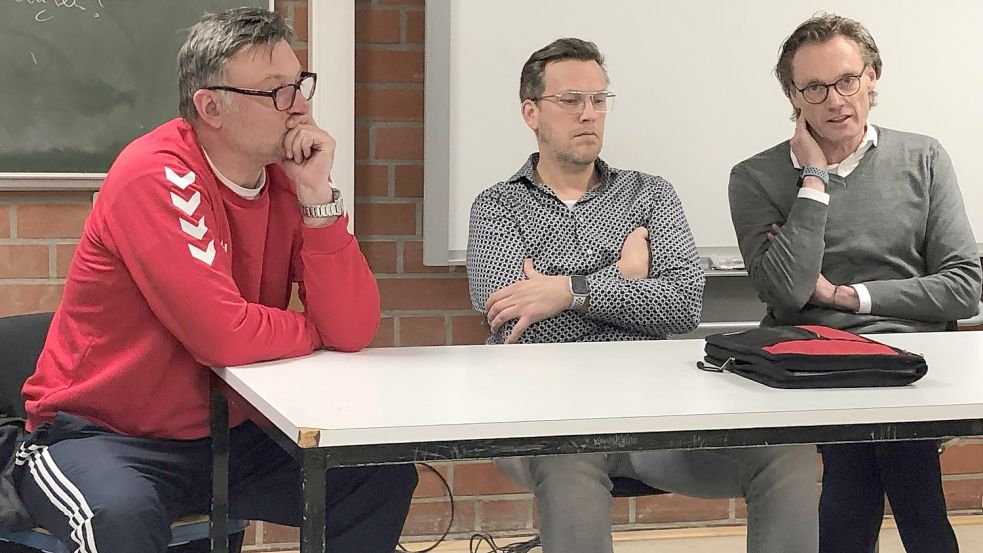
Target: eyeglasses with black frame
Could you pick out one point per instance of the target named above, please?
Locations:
(816, 93)
(575, 100)
(283, 96)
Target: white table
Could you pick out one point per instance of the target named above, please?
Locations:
(467, 402)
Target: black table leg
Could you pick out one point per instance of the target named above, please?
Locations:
(220, 470)
(312, 528)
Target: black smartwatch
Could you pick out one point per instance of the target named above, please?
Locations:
(580, 289)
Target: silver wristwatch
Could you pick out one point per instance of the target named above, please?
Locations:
(333, 209)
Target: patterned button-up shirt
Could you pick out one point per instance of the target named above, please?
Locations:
(521, 218)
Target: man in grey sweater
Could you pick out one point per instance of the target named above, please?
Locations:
(861, 228)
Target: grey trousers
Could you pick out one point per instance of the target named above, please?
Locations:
(573, 492)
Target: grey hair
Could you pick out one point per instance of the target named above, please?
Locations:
(215, 39)
(531, 81)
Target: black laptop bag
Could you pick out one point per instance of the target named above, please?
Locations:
(811, 356)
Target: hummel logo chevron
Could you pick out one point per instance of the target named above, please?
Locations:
(187, 206)
(207, 255)
(180, 182)
(196, 231)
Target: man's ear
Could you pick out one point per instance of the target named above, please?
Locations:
(872, 75)
(530, 114)
(794, 99)
(209, 107)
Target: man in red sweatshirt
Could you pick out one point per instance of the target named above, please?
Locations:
(186, 262)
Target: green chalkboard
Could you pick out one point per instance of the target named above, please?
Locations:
(79, 79)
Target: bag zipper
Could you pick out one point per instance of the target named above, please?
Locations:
(710, 367)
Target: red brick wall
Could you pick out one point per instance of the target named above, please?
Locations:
(421, 305)
(38, 233)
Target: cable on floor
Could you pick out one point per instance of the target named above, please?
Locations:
(477, 540)
(450, 520)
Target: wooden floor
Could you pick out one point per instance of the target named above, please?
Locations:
(969, 531)
(970, 538)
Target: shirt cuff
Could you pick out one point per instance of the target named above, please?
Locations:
(813, 194)
(329, 239)
(864, 295)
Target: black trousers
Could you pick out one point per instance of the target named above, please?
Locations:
(855, 479)
(102, 492)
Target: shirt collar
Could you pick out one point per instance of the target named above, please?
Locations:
(247, 193)
(869, 141)
(527, 172)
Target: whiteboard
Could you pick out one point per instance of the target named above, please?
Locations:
(696, 93)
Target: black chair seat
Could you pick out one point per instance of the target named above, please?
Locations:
(629, 487)
(21, 340)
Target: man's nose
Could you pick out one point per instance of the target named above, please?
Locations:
(834, 98)
(587, 111)
(301, 105)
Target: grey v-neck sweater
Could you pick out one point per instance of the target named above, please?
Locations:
(896, 224)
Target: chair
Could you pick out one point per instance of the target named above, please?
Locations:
(21, 340)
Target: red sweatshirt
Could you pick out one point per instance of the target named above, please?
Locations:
(175, 272)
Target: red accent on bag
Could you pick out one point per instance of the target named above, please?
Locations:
(834, 333)
(830, 347)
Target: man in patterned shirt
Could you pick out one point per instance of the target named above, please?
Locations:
(570, 249)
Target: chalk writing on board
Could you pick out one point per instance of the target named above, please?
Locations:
(46, 10)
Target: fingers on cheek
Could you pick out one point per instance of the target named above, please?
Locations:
(288, 143)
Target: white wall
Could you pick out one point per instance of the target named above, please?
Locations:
(696, 93)
(332, 57)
